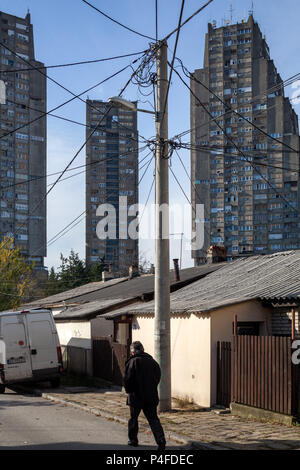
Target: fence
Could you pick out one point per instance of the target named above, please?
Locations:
(258, 371)
(262, 373)
(109, 359)
(77, 360)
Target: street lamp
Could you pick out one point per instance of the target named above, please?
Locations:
(120, 103)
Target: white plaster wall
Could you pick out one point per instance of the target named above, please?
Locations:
(75, 334)
(190, 354)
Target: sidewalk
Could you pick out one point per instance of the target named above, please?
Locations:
(197, 427)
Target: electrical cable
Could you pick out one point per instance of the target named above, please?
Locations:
(191, 76)
(147, 200)
(220, 151)
(54, 238)
(156, 21)
(117, 22)
(237, 148)
(64, 88)
(71, 64)
(72, 169)
(77, 153)
(187, 20)
(257, 114)
(173, 59)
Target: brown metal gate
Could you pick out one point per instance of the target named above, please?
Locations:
(263, 375)
(223, 373)
(258, 371)
(109, 359)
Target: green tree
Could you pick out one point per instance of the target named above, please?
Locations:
(16, 280)
(73, 272)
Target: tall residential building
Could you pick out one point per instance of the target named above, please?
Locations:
(251, 204)
(111, 174)
(23, 152)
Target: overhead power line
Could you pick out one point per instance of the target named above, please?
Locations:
(76, 154)
(188, 131)
(173, 59)
(156, 21)
(118, 22)
(71, 64)
(70, 225)
(98, 162)
(78, 96)
(188, 19)
(192, 76)
(236, 146)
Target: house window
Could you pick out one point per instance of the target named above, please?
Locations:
(247, 328)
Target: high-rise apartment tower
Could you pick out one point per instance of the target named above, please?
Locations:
(111, 178)
(22, 152)
(247, 177)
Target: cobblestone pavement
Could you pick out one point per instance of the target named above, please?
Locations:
(201, 428)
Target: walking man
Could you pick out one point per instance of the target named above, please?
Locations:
(141, 378)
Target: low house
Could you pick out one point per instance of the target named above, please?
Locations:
(78, 313)
(262, 291)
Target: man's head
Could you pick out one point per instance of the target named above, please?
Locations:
(136, 347)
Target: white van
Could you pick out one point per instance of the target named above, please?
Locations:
(30, 348)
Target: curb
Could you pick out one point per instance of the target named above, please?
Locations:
(180, 439)
(99, 412)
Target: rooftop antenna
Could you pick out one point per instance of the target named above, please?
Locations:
(251, 12)
(231, 12)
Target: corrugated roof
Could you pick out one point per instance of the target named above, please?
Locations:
(76, 292)
(257, 277)
(90, 310)
(124, 287)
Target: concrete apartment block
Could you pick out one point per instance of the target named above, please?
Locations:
(23, 152)
(252, 203)
(111, 173)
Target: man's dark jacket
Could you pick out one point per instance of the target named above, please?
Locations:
(141, 378)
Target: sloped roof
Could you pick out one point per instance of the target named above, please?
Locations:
(90, 310)
(124, 288)
(264, 277)
(76, 292)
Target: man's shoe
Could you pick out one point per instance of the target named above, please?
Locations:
(133, 443)
(161, 447)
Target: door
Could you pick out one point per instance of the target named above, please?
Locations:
(17, 360)
(223, 373)
(43, 342)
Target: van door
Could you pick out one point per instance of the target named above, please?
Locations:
(17, 360)
(43, 343)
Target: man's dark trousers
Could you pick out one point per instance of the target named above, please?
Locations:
(153, 420)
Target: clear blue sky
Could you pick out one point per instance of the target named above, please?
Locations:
(70, 31)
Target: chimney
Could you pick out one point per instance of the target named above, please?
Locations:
(216, 254)
(108, 275)
(133, 271)
(176, 269)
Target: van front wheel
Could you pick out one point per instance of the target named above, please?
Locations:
(2, 388)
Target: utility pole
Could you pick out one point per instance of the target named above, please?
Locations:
(162, 347)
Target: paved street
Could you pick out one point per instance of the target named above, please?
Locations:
(205, 429)
(33, 423)
(93, 419)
